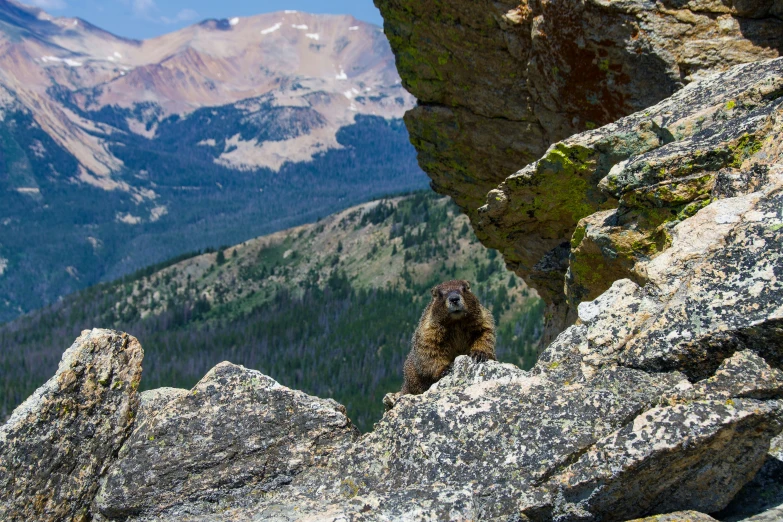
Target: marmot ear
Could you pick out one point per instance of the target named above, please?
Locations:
(434, 291)
(465, 286)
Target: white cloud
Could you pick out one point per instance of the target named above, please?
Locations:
(47, 4)
(185, 15)
(143, 7)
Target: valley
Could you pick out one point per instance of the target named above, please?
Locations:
(116, 154)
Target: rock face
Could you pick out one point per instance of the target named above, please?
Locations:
(664, 398)
(236, 429)
(497, 82)
(490, 441)
(58, 443)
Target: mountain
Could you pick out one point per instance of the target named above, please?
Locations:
(327, 307)
(117, 153)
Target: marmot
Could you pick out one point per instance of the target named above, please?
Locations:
(454, 323)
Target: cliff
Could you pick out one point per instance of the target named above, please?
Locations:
(498, 82)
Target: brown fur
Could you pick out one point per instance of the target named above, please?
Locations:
(441, 336)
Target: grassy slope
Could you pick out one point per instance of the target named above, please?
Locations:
(328, 308)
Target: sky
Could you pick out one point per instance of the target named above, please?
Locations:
(147, 18)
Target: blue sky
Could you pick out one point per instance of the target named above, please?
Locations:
(147, 18)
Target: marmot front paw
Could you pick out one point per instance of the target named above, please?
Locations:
(479, 357)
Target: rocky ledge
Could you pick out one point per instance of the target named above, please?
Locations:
(499, 82)
(583, 436)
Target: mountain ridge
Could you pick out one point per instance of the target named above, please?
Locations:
(138, 151)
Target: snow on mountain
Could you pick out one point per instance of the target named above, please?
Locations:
(65, 70)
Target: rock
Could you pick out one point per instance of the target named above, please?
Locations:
(235, 429)
(694, 456)
(58, 443)
(680, 516)
(761, 500)
(599, 204)
(152, 401)
(490, 441)
(498, 82)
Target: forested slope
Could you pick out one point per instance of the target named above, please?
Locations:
(328, 308)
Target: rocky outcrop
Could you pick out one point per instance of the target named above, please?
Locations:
(497, 82)
(599, 202)
(236, 433)
(583, 436)
(665, 397)
(59, 442)
(490, 441)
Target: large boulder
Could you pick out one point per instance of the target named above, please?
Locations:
(236, 433)
(59, 442)
(498, 82)
(490, 441)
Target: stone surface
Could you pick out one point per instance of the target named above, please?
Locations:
(680, 516)
(490, 441)
(152, 401)
(761, 500)
(59, 442)
(235, 429)
(498, 82)
(681, 456)
(599, 204)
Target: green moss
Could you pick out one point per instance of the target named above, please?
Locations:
(579, 235)
(691, 209)
(351, 489)
(564, 187)
(747, 146)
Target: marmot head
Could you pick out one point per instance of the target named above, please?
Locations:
(453, 300)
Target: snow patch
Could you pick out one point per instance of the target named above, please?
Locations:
(291, 11)
(28, 190)
(301, 27)
(157, 213)
(96, 243)
(342, 75)
(127, 218)
(3, 265)
(313, 36)
(66, 61)
(348, 94)
(234, 21)
(272, 29)
(353, 28)
(117, 55)
(75, 23)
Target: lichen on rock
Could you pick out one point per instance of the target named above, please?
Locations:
(237, 432)
(499, 82)
(60, 441)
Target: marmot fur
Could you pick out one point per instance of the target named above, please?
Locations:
(454, 323)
